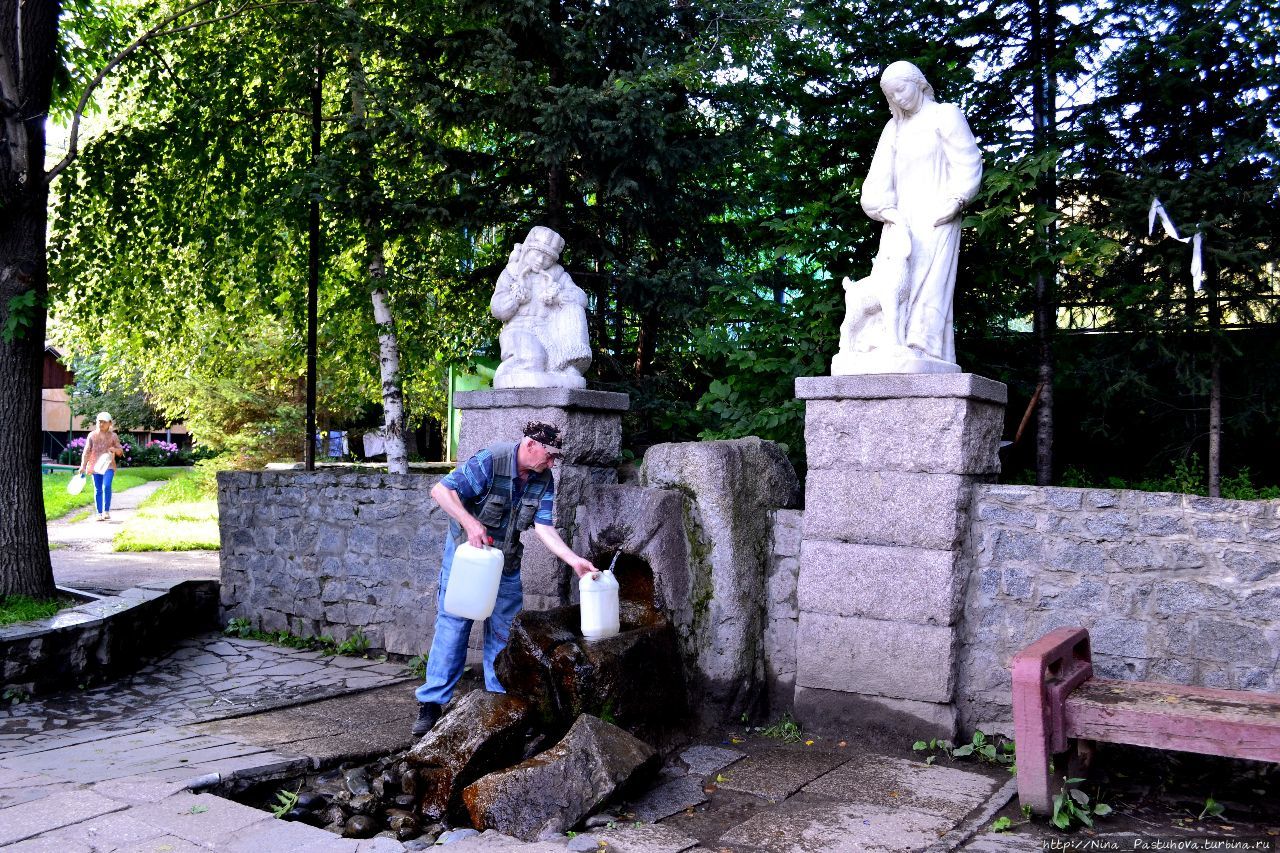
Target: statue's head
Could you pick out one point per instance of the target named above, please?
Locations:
(543, 245)
(904, 88)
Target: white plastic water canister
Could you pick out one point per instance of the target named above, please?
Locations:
(599, 604)
(473, 581)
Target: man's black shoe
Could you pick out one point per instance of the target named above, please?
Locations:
(428, 713)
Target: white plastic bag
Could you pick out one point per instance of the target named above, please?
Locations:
(76, 484)
(103, 463)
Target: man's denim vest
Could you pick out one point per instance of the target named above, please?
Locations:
(494, 507)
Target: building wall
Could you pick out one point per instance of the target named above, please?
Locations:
(1173, 588)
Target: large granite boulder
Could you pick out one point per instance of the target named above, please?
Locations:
(645, 527)
(734, 486)
(483, 732)
(634, 679)
(551, 792)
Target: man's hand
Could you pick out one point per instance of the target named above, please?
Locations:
(477, 536)
(551, 538)
(582, 567)
(449, 501)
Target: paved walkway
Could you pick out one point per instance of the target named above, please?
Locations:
(107, 768)
(82, 556)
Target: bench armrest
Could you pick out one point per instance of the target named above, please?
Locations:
(1044, 674)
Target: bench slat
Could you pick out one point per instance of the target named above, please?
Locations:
(1168, 716)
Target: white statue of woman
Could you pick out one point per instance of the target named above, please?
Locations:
(926, 168)
(544, 334)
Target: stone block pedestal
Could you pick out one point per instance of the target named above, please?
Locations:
(892, 464)
(591, 425)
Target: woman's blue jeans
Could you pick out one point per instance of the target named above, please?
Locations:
(449, 645)
(102, 490)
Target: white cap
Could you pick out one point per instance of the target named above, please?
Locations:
(103, 416)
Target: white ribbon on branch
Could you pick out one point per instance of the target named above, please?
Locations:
(1197, 268)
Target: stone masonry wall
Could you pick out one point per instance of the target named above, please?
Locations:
(1173, 588)
(327, 553)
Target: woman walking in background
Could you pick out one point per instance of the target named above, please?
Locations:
(100, 451)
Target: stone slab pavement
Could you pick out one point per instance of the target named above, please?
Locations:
(108, 768)
(82, 557)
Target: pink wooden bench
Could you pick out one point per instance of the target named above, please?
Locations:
(1056, 699)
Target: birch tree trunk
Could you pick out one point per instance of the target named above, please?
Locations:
(28, 34)
(371, 222)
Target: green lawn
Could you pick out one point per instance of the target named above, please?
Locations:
(58, 503)
(182, 515)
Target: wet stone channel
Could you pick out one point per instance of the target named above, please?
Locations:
(584, 724)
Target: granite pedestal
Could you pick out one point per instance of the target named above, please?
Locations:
(892, 463)
(591, 424)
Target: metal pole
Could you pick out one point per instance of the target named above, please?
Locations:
(313, 267)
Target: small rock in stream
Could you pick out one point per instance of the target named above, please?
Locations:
(357, 781)
(312, 801)
(359, 826)
(456, 835)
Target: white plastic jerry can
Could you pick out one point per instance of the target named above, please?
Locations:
(472, 590)
(599, 597)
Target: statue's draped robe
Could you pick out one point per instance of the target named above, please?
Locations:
(922, 163)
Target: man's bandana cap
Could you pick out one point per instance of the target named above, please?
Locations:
(543, 433)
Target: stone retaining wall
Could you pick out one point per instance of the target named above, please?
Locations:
(103, 638)
(1173, 588)
(328, 553)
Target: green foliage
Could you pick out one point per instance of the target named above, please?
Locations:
(21, 608)
(18, 316)
(1186, 476)
(285, 801)
(238, 627)
(116, 388)
(1212, 808)
(1001, 824)
(354, 646)
(703, 162)
(417, 665)
(997, 750)
(1072, 806)
(935, 747)
(786, 730)
(14, 696)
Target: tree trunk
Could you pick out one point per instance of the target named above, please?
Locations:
(371, 221)
(392, 394)
(1215, 391)
(1044, 98)
(28, 33)
(313, 265)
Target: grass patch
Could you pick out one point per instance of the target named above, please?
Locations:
(58, 503)
(179, 516)
(20, 608)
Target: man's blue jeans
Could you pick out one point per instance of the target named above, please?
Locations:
(102, 490)
(449, 645)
